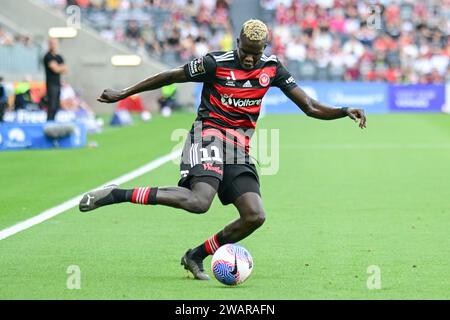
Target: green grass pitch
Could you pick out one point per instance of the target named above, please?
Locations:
(344, 199)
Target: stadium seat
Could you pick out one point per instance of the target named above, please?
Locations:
(307, 70)
(336, 73)
(321, 74)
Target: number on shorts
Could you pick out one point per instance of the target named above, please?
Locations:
(215, 154)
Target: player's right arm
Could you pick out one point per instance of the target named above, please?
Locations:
(157, 81)
(198, 70)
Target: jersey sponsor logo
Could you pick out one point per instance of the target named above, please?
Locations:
(196, 67)
(247, 84)
(232, 76)
(231, 79)
(239, 103)
(210, 167)
(243, 93)
(264, 79)
(290, 80)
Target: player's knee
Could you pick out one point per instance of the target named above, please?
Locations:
(260, 219)
(256, 219)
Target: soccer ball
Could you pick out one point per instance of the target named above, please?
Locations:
(232, 264)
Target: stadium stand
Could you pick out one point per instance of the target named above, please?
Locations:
(407, 44)
(170, 31)
(19, 54)
(21, 68)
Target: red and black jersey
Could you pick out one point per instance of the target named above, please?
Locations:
(230, 106)
(232, 96)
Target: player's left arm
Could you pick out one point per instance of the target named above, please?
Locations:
(286, 82)
(315, 109)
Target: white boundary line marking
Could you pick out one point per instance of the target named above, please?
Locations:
(69, 204)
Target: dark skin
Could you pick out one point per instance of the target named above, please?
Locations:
(198, 199)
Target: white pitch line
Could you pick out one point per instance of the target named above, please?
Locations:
(69, 204)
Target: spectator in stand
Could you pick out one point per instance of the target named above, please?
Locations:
(227, 42)
(6, 39)
(395, 41)
(168, 99)
(388, 49)
(171, 30)
(71, 101)
(3, 99)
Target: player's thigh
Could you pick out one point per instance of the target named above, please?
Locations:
(204, 187)
(247, 196)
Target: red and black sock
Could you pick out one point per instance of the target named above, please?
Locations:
(210, 246)
(145, 195)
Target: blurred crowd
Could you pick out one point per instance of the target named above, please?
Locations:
(399, 41)
(31, 95)
(8, 38)
(172, 31)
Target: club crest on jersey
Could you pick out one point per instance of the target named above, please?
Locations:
(264, 79)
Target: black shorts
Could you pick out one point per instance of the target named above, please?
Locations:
(237, 179)
(205, 158)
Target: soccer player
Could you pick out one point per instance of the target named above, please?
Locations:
(215, 157)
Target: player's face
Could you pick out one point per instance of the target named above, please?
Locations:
(249, 52)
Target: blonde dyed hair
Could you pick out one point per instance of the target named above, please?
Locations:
(255, 30)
